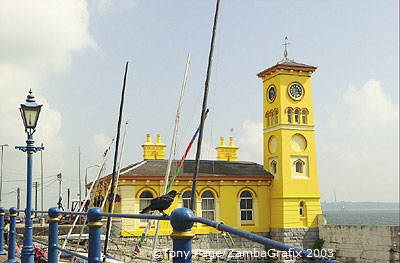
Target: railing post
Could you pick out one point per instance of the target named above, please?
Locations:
(182, 235)
(94, 224)
(53, 235)
(12, 236)
(2, 213)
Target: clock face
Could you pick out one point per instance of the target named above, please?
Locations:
(271, 94)
(296, 91)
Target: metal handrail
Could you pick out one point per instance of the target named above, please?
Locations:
(182, 220)
(259, 239)
(61, 249)
(137, 216)
(119, 215)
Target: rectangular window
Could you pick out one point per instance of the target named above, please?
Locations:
(186, 202)
(207, 206)
(246, 209)
(246, 215)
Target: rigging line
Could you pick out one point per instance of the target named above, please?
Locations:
(21, 180)
(24, 188)
(14, 191)
(121, 107)
(182, 160)
(175, 132)
(118, 170)
(203, 112)
(87, 197)
(173, 145)
(24, 173)
(118, 174)
(50, 184)
(96, 183)
(186, 129)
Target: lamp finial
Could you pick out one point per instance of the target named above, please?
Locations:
(30, 97)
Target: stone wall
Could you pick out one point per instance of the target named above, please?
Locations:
(362, 244)
(297, 237)
(216, 242)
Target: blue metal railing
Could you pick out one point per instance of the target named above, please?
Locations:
(181, 219)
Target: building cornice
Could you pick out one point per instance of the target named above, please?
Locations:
(290, 127)
(284, 66)
(297, 197)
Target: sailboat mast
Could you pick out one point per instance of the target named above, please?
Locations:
(203, 111)
(173, 145)
(79, 177)
(41, 182)
(178, 115)
(121, 107)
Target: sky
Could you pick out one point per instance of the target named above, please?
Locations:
(72, 55)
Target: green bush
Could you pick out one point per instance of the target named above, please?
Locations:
(318, 244)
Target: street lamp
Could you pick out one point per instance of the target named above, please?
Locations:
(30, 114)
(1, 173)
(86, 181)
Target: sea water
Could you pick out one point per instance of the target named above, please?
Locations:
(366, 217)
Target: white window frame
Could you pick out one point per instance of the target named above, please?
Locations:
(186, 199)
(246, 209)
(205, 212)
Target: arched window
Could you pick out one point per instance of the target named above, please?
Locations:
(289, 115)
(144, 200)
(276, 117)
(208, 205)
(297, 116)
(267, 117)
(273, 167)
(186, 199)
(304, 116)
(271, 118)
(301, 209)
(299, 166)
(246, 206)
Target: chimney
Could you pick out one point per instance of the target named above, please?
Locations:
(153, 151)
(227, 153)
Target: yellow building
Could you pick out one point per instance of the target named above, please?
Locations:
(277, 197)
(234, 192)
(289, 148)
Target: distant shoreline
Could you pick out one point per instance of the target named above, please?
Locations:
(367, 209)
(359, 206)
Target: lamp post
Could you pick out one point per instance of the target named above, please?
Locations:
(86, 181)
(1, 173)
(30, 114)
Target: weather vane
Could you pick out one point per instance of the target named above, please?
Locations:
(285, 53)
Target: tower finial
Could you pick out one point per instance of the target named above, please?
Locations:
(285, 53)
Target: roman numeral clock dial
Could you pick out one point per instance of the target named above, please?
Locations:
(296, 91)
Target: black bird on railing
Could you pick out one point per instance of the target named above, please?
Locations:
(161, 203)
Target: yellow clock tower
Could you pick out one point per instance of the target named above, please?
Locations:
(289, 148)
